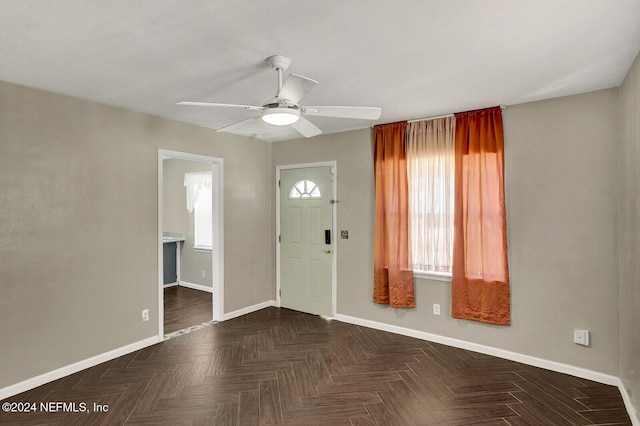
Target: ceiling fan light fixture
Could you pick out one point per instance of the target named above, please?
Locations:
(281, 116)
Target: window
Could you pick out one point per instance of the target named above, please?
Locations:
(202, 218)
(305, 189)
(430, 174)
(199, 201)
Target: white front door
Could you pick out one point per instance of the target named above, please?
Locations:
(306, 232)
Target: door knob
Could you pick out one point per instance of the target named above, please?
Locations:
(327, 251)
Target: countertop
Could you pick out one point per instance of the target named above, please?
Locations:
(172, 237)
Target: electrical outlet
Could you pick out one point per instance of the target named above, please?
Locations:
(145, 315)
(581, 337)
(436, 309)
(204, 274)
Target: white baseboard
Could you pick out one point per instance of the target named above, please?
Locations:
(196, 286)
(488, 350)
(107, 356)
(633, 414)
(74, 368)
(501, 353)
(248, 310)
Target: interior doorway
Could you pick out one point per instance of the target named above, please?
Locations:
(190, 240)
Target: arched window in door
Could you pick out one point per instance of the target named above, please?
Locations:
(305, 189)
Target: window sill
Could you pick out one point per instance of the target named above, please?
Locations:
(433, 276)
(200, 248)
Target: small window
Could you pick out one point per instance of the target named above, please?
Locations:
(431, 181)
(305, 189)
(202, 216)
(199, 193)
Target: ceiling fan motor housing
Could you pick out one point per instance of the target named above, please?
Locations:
(283, 103)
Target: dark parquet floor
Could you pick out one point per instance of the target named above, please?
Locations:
(277, 366)
(185, 307)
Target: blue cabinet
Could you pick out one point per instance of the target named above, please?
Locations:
(170, 267)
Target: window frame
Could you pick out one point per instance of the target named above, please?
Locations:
(435, 159)
(432, 275)
(197, 235)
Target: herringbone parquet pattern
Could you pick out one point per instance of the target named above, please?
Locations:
(277, 366)
(185, 307)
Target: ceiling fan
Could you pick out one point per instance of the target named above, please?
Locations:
(284, 108)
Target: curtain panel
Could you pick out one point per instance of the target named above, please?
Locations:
(194, 182)
(480, 277)
(393, 274)
(430, 169)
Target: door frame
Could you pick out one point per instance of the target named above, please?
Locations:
(217, 252)
(334, 258)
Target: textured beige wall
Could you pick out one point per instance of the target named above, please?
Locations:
(78, 225)
(178, 219)
(561, 188)
(629, 232)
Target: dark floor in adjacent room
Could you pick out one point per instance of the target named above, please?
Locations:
(185, 307)
(277, 366)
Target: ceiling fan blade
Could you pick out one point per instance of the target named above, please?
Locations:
(364, 113)
(238, 125)
(295, 87)
(306, 128)
(212, 104)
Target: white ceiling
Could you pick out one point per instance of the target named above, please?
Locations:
(413, 58)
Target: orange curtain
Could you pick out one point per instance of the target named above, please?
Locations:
(480, 282)
(393, 277)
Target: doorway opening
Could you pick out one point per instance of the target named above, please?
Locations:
(190, 241)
